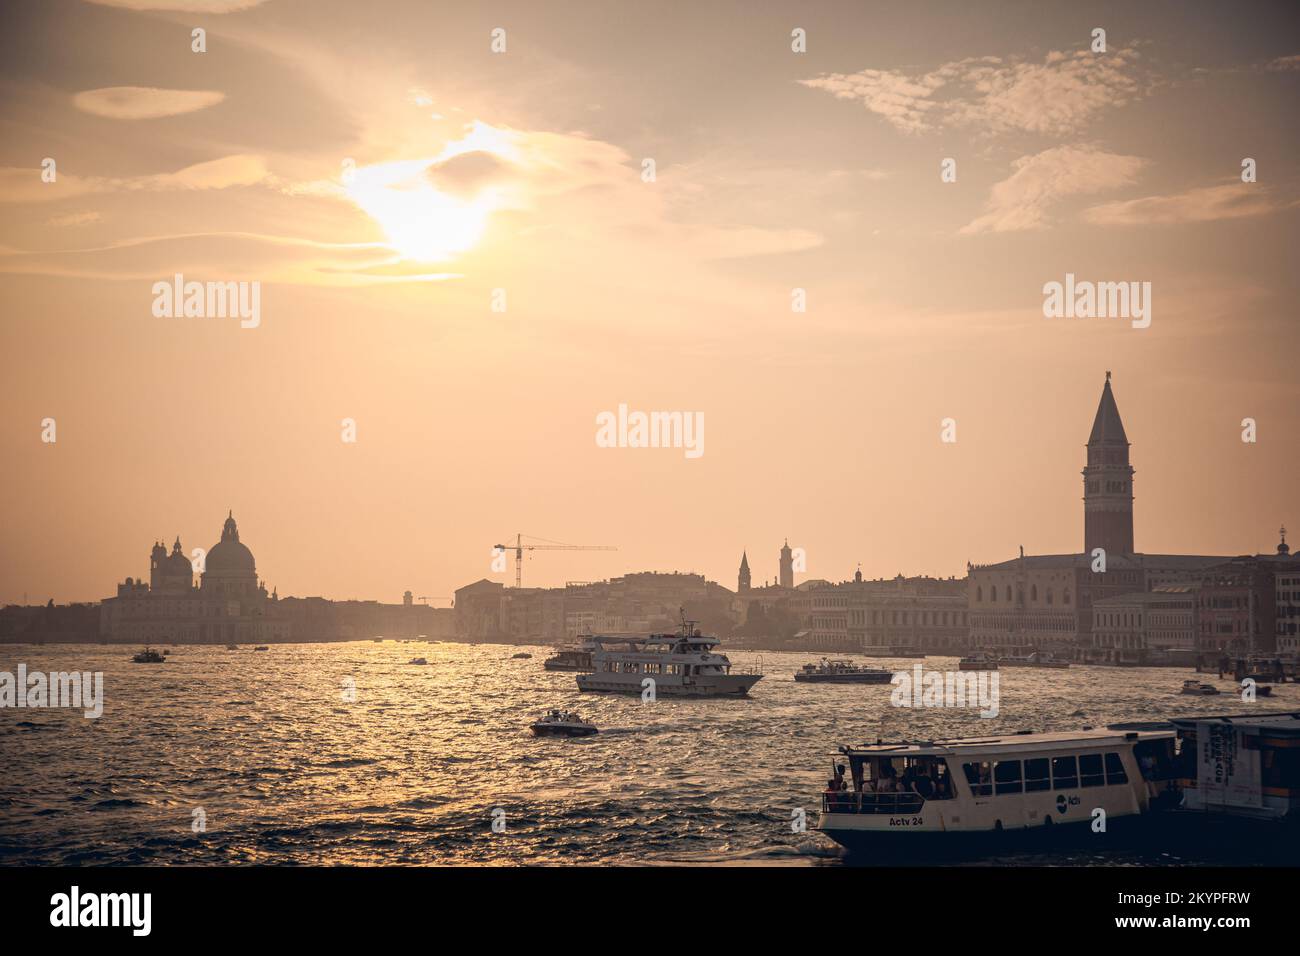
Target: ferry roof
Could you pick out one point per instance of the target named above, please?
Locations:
(996, 743)
(1284, 723)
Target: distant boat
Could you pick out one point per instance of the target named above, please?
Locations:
(148, 656)
(977, 664)
(571, 658)
(1196, 687)
(232, 647)
(562, 723)
(261, 647)
(892, 650)
(684, 664)
(842, 672)
(417, 660)
(520, 657)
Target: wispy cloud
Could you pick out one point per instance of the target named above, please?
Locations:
(1061, 94)
(143, 102)
(1233, 200)
(18, 184)
(183, 6)
(1025, 198)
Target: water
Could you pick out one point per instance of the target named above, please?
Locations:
(287, 772)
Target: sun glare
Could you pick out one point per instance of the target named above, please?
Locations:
(421, 222)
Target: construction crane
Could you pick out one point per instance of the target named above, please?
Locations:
(520, 548)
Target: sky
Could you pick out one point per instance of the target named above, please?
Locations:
(475, 228)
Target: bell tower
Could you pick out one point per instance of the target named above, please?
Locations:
(1108, 482)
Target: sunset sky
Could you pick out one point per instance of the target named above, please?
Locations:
(474, 171)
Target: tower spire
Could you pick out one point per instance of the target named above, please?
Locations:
(1108, 481)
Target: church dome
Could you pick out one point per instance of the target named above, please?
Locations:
(229, 554)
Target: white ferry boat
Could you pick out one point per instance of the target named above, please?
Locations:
(680, 665)
(909, 794)
(842, 672)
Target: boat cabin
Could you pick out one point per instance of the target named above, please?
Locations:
(1244, 765)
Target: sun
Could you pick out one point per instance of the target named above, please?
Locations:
(420, 222)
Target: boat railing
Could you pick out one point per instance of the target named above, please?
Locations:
(853, 802)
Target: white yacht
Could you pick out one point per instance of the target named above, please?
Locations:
(677, 665)
(907, 794)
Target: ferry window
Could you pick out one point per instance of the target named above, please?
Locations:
(1065, 773)
(1115, 770)
(1036, 776)
(1090, 774)
(979, 776)
(1006, 776)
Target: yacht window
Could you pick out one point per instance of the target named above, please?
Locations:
(1115, 769)
(1065, 773)
(1006, 776)
(979, 776)
(1090, 774)
(1036, 775)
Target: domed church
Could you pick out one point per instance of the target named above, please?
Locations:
(229, 605)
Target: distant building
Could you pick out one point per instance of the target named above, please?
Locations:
(1048, 601)
(928, 614)
(742, 579)
(1146, 626)
(229, 604)
(787, 566)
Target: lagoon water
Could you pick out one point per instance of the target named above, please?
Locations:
(265, 750)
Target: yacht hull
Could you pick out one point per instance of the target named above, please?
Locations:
(722, 685)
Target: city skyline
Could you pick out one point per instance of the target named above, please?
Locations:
(383, 179)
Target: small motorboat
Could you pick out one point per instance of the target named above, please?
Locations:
(562, 723)
(521, 657)
(261, 647)
(1196, 687)
(232, 647)
(417, 660)
(148, 656)
(977, 664)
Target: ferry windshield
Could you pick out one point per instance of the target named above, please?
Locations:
(926, 776)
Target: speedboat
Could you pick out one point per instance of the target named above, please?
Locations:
(148, 656)
(977, 664)
(261, 647)
(1196, 687)
(417, 660)
(520, 657)
(563, 723)
(842, 672)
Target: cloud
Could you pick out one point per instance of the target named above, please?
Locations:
(1233, 200)
(143, 102)
(1059, 95)
(75, 219)
(183, 6)
(1023, 200)
(19, 184)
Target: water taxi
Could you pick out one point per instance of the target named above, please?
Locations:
(148, 656)
(673, 665)
(977, 664)
(571, 658)
(1196, 687)
(563, 723)
(912, 793)
(842, 672)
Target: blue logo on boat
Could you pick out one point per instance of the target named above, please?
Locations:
(1060, 803)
